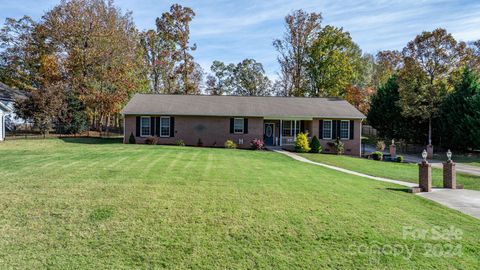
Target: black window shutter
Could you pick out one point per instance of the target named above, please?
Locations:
(245, 126)
(334, 129)
(302, 126)
(338, 129)
(157, 126)
(172, 126)
(137, 131)
(320, 127)
(152, 126)
(231, 125)
(351, 129)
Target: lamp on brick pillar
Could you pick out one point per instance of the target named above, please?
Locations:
(449, 175)
(425, 174)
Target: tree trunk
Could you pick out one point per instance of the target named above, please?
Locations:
(429, 131)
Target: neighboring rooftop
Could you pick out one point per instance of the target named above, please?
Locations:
(198, 105)
(9, 94)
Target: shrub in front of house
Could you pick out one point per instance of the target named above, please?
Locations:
(399, 159)
(315, 145)
(301, 143)
(377, 155)
(257, 144)
(152, 140)
(131, 139)
(199, 142)
(229, 144)
(338, 146)
(180, 143)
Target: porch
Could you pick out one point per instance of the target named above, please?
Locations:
(282, 132)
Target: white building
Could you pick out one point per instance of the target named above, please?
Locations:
(3, 111)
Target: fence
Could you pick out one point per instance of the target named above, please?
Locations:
(369, 131)
(18, 135)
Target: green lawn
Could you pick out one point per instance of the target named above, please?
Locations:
(85, 203)
(472, 159)
(393, 170)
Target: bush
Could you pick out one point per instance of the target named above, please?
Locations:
(180, 143)
(229, 144)
(399, 159)
(199, 142)
(338, 146)
(301, 143)
(377, 155)
(380, 145)
(257, 144)
(131, 139)
(152, 140)
(315, 145)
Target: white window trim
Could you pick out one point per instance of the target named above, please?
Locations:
(169, 127)
(149, 126)
(348, 130)
(331, 130)
(243, 126)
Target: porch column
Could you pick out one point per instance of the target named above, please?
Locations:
(295, 129)
(281, 131)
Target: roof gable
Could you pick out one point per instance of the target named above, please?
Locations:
(202, 105)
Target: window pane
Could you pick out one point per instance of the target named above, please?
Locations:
(145, 126)
(164, 126)
(286, 128)
(238, 125)
(344, 126)
(327, 129)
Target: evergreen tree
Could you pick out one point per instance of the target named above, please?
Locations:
(385, 114)
(460, 114)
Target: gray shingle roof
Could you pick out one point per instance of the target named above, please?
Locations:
(9, 94)
(200, 105)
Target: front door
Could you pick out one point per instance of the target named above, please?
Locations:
(268, 133)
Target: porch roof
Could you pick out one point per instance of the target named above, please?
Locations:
(267, 107)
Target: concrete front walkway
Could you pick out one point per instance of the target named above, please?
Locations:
(463, 200)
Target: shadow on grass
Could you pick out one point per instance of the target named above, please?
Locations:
(90, 140)
(407, 190)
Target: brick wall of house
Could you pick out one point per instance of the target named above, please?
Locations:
(213, 131)
(352, 147)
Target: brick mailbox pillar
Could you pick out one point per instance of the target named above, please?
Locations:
(449, 176)
(425, 176)
(393, 150)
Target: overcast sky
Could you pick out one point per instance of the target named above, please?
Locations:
(234, 30)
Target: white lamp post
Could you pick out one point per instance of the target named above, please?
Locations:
(449, 156)
(424, 155)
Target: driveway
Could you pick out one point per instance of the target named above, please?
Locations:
(460, 167)
(463, 200)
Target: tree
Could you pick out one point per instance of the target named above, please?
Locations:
(158, 53)
(73, 117)
(385, 113)
(334, 60)
(301, 29)
(101, 55)
(428, 62)
(22, 45)
(249, 79)
(387, 63)
(460, 114)
(175, 27)
(359, 97)
(220, 82)
(42, 106)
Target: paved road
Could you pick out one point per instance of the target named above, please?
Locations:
(463, 200)
(460, 167)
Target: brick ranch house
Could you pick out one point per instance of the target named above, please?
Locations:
(215, 119)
